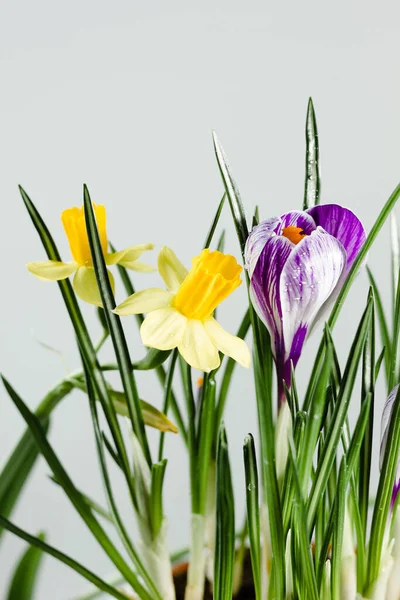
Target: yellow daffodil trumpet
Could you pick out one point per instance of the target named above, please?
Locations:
(182, 316)
(85, 285)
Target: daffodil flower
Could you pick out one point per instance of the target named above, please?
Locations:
(182, 316)
(297, 264)
(85, 285)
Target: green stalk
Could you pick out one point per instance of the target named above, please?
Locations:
(115, 327)
(253, 512)
(225, 524)
(73, 494)
(383, 496)
(84, 342)
(67, 560)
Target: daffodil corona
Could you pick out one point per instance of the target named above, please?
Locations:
(85, 285)
(182, 316)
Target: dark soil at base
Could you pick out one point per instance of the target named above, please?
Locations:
(246, 592)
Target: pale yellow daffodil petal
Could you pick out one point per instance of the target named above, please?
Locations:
(52, 270)
(128, 255)
(197, 348)
(144, 302)
(85, 285)
(163, 329)
(228, 344)
(171, 269)
(137, 265)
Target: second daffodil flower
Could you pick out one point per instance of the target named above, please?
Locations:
(182, 316)
(85, 284)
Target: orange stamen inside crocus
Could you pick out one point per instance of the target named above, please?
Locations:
(294, 234)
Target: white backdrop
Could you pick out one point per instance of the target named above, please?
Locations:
(123, 96)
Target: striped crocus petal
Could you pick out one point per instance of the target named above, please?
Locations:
(343, 225)
(385, 424)
(309, 277)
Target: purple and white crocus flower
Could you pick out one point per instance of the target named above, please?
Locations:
(297, 264)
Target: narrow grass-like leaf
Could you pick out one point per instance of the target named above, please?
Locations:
(114, 326)
(70, 562)
(383, 215)
(395, 254)
(17, 470)
(299, 530)
(73, 494)
(253, 512)
(339, 415)
(312, 184)
(394, 370)
(384, 493)
(118, 521)
(228, 373)
(383, 325)
(152, 359)
(85, 344)
(22, 586)
(352, 461)
(205, 440)
(160, 371)
(151, 415)
(315, 419)
(92, 504)
(338, 531)
(232, 193)
(288, 488)
(156, 498)
(167, 397)
(367, 390)
(214, 224)
(225, 524)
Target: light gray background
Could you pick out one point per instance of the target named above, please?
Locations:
(123, 95)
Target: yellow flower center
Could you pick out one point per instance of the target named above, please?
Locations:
(211, 279)
(73, 220)
(294, 234)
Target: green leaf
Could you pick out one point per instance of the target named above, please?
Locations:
(118, 521)
(314, 421)
(17, 469)
(338, 530)
(153, 359)
(205, 440)
(230, 366)
(225, 524)
(385, 336)
(24, 579)
(167, 398)
(339, 415)
(70, 562)
(394, 369)
(160, 371)
(73, 494)
(395, 247)
(232, 193)
(84, 342)
(253, 512)
(312, 186)
(156, 496)
(300, 532)
(114, 326)
(214, 224)
(151, 415)
(383, 497)
(367, 390)
(383, 215)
